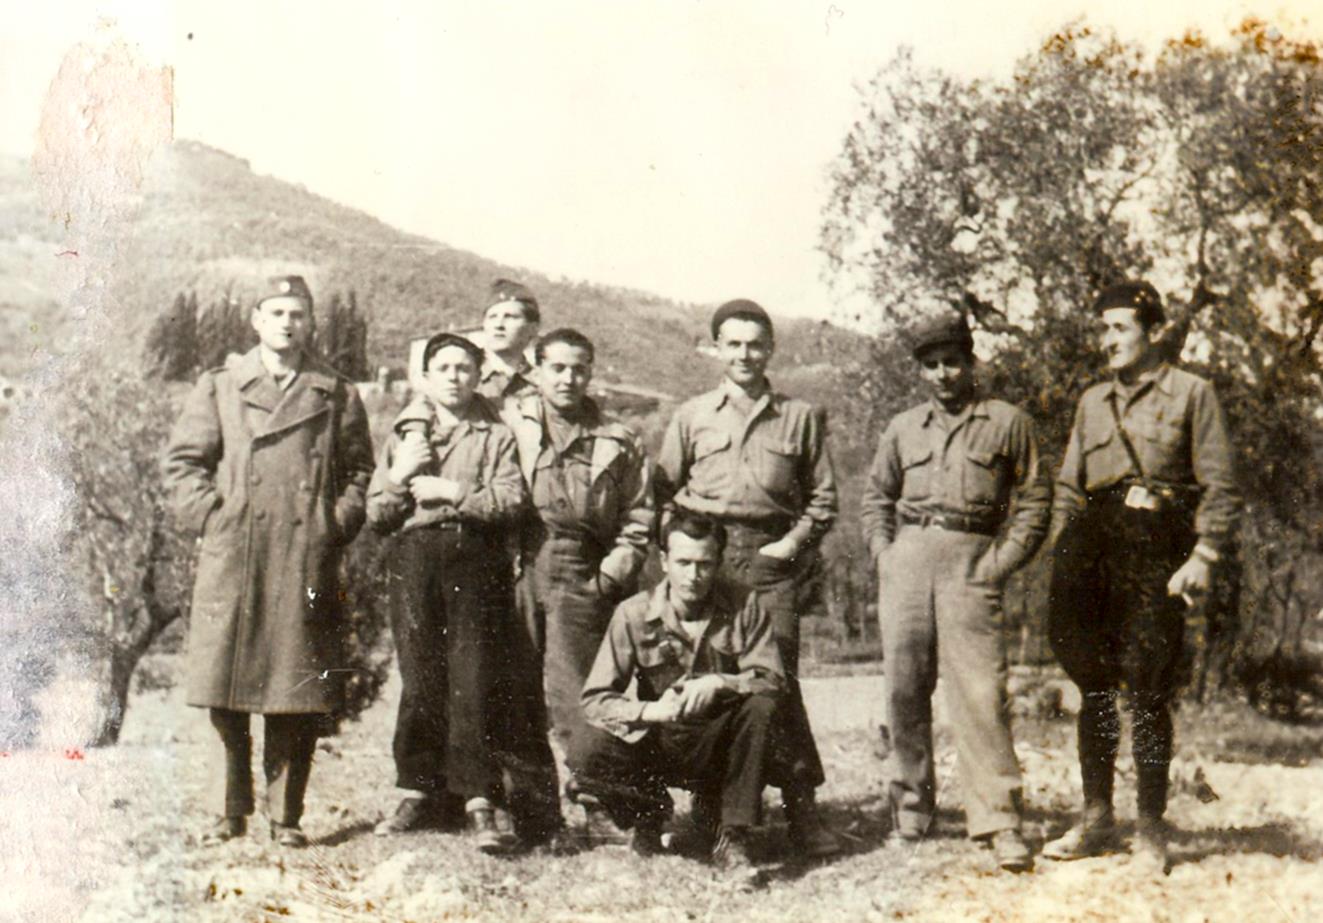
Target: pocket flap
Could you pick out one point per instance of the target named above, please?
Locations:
(710, 442)
(983, 457)
(1097, 441)
(915, 458)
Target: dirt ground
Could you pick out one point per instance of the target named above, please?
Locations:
(111, 835)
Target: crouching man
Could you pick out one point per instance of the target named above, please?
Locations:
(709, 684)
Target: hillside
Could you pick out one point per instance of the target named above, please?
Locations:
(207, 222)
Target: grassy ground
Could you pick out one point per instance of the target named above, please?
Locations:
(110, 835)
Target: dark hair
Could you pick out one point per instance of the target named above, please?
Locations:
(697, 526)
(1140, 297)
(567, 335)
(442, 340)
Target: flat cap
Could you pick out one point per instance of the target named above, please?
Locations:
(286, 287)
(441, 340)
(740, 309)
(950, 328)
(1139, 296)
(509, 290)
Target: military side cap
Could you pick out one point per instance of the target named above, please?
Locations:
(740, 309)
(286, 287)
(509, 290)
(1139, 296)
(947, 329)
(442, 340)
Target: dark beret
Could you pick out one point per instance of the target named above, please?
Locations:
(509, 290)
(286, 287)
(442, 340)
(741, 309)
(1140, 296)
(947, 329)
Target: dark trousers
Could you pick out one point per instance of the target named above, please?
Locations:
(287, 750)
(783, 586)
(725, 754)
(447, 590)
(1114, 628)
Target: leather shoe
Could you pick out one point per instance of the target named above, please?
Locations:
(427, 812)
(482, 821)
(1094, 835)
(1012, 852)
(1150, 849)
(223, 829)
(288, 835)
(731, 857)
(809, 835)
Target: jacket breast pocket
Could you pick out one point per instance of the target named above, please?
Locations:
(775, 463)
(1162, 449)
(659, 663)
(985, 477)
(710, 474)
(916, 474)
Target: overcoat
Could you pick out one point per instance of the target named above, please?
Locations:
(274, 480)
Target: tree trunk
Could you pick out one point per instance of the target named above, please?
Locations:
(123, 661)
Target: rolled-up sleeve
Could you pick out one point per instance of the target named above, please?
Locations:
(1032, 493)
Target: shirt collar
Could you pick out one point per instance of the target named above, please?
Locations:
(722, 393)
(1159, 377)
(976, 408)
(720, 605)
(493, 364)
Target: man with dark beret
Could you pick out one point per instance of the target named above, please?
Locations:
(448, 486)
(268, 461)
(757, 461)
(955, 501)
(1145, 507)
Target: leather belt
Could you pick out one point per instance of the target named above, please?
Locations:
(951, 522)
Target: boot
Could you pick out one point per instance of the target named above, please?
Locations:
(482, 821)
(288, 835)
(1093, 835)
(1150, 849)
(422, 813)
(807, 833)
(731, 857)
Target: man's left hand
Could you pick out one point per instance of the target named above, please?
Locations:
(783, 549)
(1191, 581)
(428, 489)
(699, 694)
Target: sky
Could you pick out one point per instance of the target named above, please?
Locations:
(677, 147)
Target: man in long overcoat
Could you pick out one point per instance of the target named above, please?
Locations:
(269, 462)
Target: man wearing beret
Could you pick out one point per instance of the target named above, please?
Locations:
(954, 503)
(269, 461)
(448, 486)
(509, 325)
(1145, 507)
(757, 460)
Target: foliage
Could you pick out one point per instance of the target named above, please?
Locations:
(135, 565)
(1018, 200)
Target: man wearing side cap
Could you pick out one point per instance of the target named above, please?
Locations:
(955, 501)
(757, 460)
(269, 461)
(1145, 507)
(509, 325)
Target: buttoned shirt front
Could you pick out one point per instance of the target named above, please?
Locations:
(477, 452)
(981, 464)
(646, 641)
(1175, 425)
(772, 463)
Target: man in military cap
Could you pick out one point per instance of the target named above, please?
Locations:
(269, 461)
(954, 503)
(757, 460)
(1145, 507)
(509, 324)
(586, 541)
